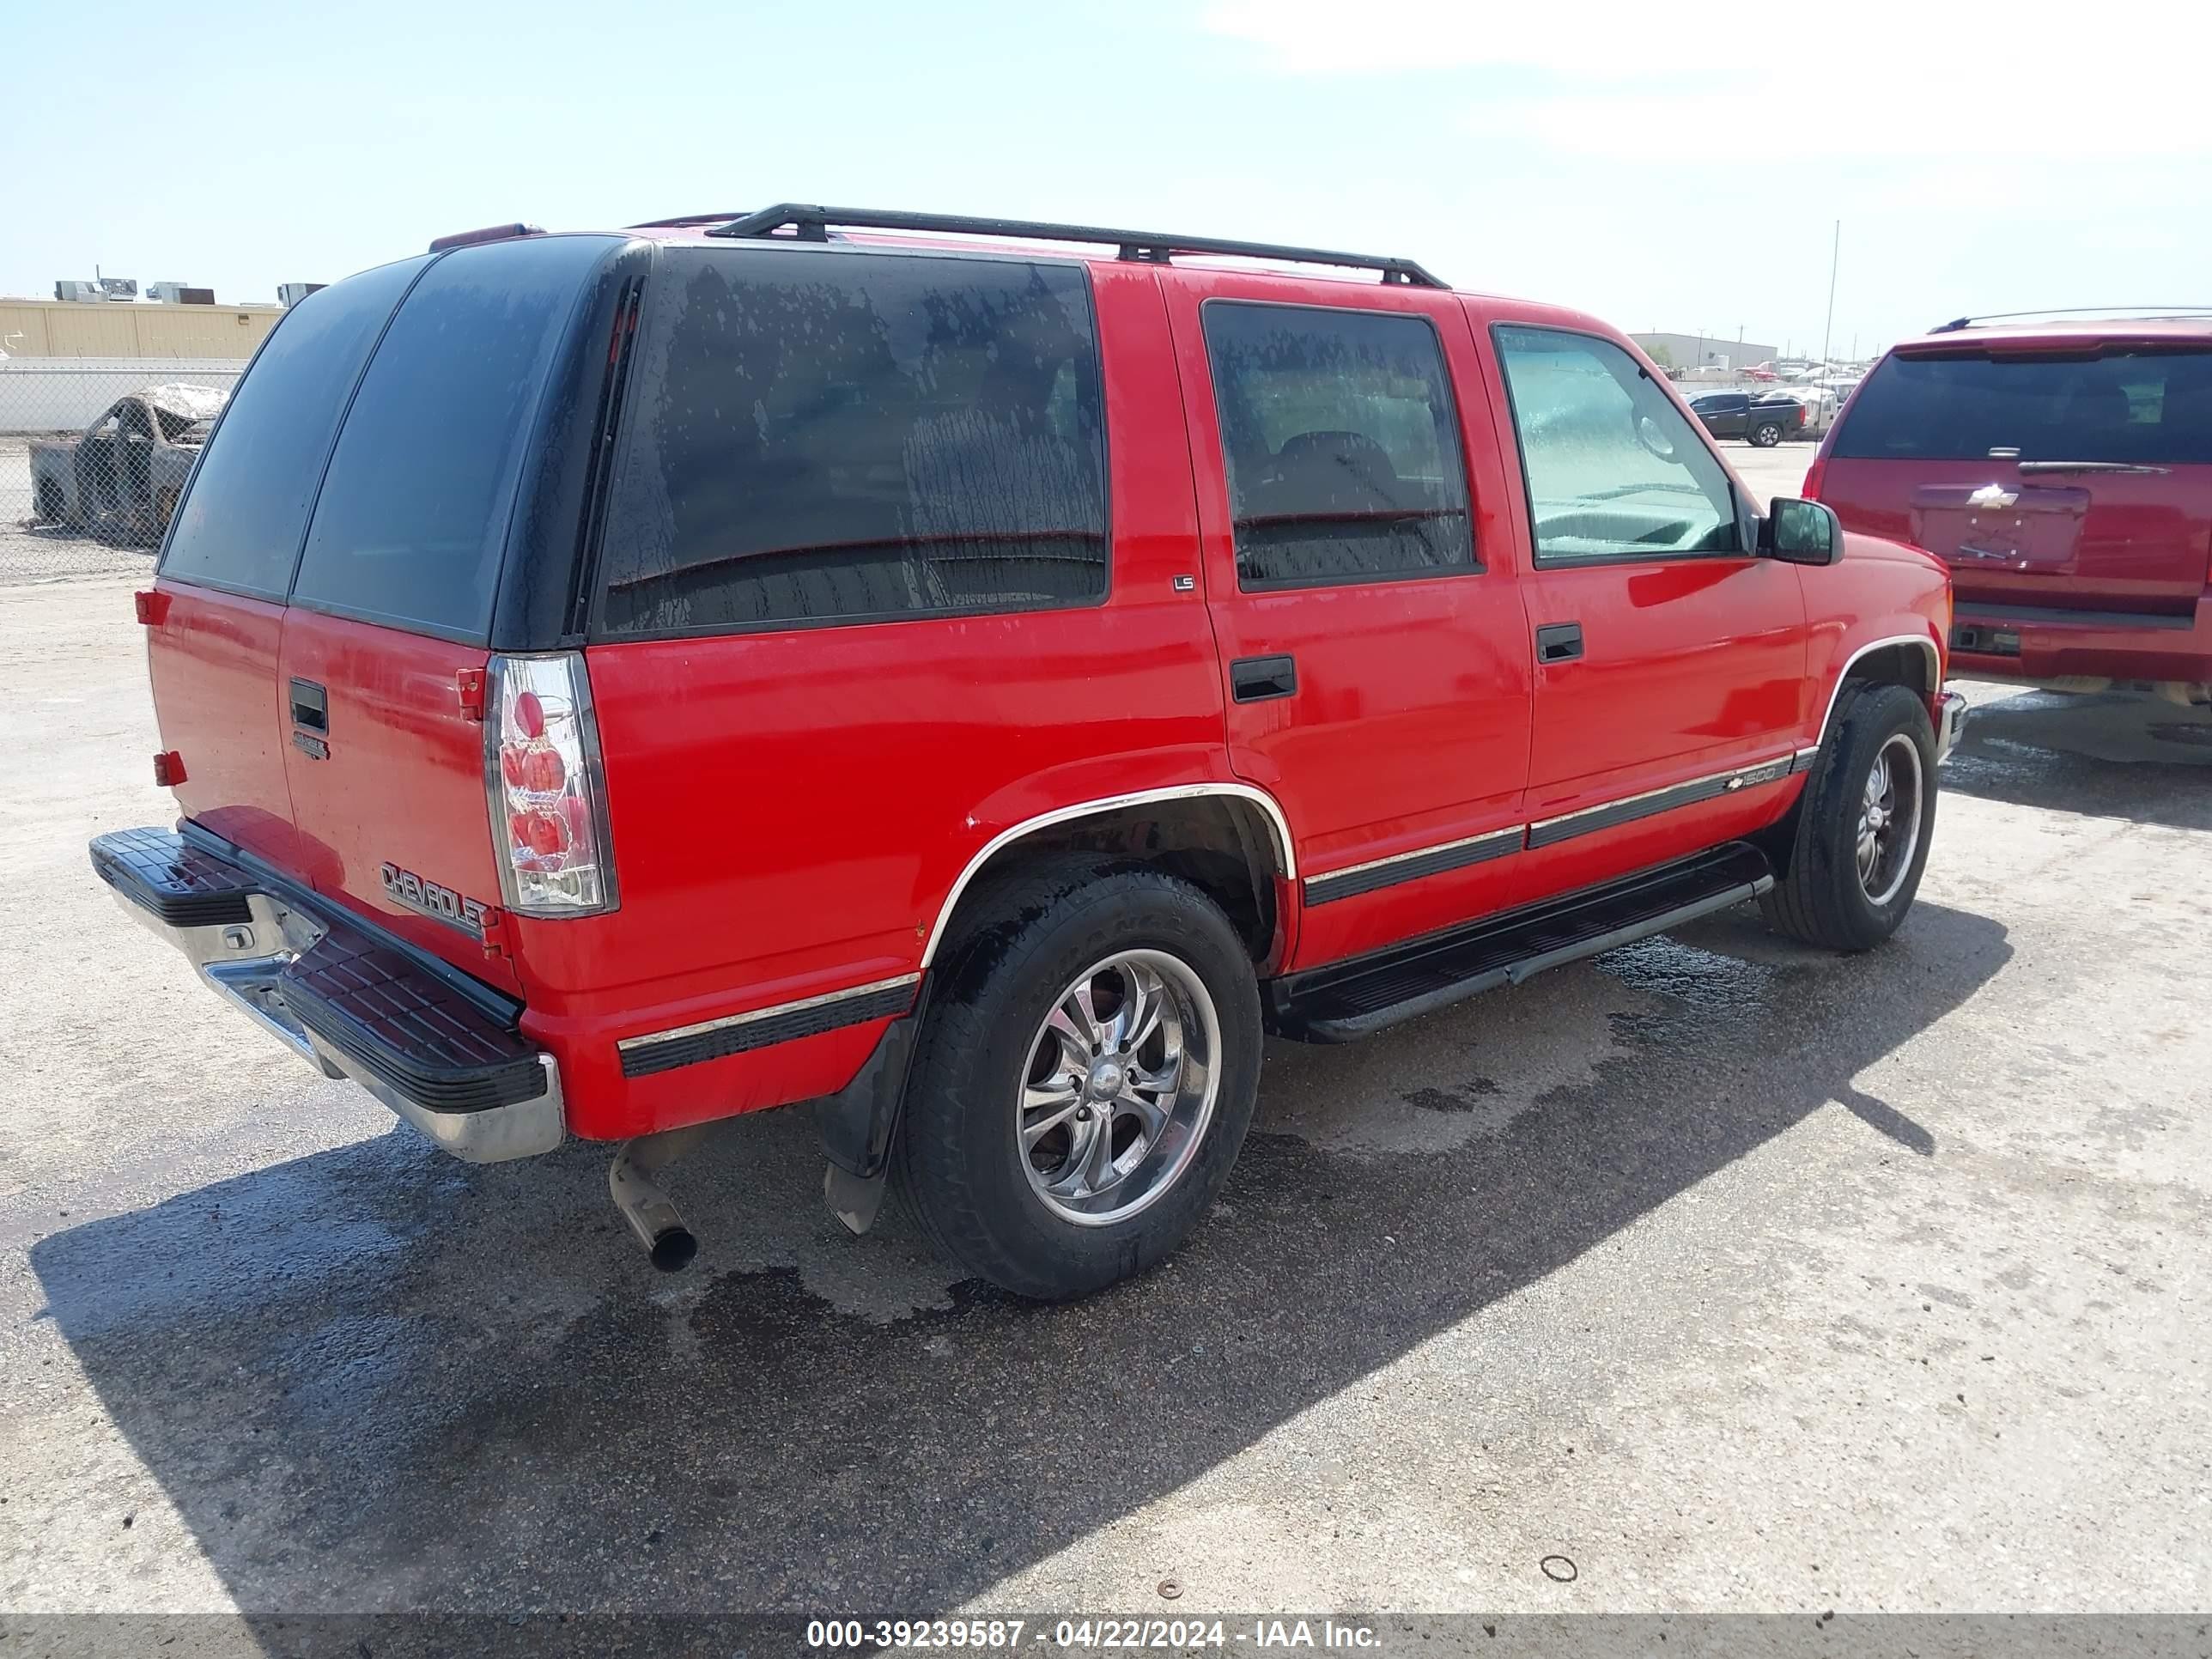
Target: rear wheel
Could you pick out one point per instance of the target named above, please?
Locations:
(1084, 1080)
(49, 507)
(1767, 434)
(1863, 826)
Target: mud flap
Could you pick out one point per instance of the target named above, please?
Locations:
(856, 1125)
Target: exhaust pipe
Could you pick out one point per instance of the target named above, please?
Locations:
(651, 1214)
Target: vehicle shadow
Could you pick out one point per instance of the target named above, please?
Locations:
(2109, 754)
(374, 1379)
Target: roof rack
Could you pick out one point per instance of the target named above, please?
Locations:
(2124, 313)
(812, 224)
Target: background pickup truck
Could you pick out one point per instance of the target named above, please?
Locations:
(121, 476)
(1764, 420)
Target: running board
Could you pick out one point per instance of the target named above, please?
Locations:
(1354, 999)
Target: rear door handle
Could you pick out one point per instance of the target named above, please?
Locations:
(311, 706)
(1558, 642)
(1255, 679)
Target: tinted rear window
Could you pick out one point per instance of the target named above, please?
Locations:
(413, 516)
(240, 523)
(826, 436)
(2149, 407)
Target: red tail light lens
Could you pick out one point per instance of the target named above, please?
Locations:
(1811, 491)
(548, 791)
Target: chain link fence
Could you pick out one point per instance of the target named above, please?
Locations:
(93, 452)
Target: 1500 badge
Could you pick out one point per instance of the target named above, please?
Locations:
(453, 909)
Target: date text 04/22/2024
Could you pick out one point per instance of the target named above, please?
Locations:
(1094, 1634)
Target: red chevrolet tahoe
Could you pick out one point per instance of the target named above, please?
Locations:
(977, 676)
(2062, 466)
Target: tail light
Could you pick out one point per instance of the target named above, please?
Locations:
(547, 789)
(1811, 488)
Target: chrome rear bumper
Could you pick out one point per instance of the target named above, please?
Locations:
(349, 1001)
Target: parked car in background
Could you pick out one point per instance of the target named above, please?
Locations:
(981, 688)
(1820, 405)
(121, 476)
(2064, 470)
(1762, 419)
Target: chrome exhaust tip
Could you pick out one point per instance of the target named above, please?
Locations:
(670, 1244)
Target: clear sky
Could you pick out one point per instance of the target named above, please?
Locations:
(1666, 165)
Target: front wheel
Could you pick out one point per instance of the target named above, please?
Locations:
(1767, 434)
(1863, 825)
(1084, 1080)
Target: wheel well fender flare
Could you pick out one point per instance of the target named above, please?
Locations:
(1932, 679)
(1271, 812)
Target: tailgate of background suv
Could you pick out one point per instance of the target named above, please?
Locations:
(2078, 479)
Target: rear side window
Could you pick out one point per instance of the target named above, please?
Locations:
(413, 515)
(1341, 444)
(240, 523)
(2151, 408)
(819, 436)
(1614, 470)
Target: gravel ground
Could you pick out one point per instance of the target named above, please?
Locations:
(1744, 1276)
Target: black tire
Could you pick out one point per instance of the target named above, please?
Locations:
(1823, 901)
(957, 1163)
(49, 507)
(1765, 435)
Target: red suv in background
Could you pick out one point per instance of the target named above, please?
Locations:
(2063, 469)
(613, 682)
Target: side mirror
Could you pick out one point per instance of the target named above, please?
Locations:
(1801, 532)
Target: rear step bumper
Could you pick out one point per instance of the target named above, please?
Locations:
(2031, 642)
(345, 997)
(1351, 1000)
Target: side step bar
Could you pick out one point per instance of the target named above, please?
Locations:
(1354, 999)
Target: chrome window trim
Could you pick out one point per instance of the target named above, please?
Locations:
(1279, 828)
(629, 1044)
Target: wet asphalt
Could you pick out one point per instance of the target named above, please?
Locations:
(1744, 1276)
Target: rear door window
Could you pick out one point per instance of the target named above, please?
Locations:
(413, 515)
(241, 522)
(1341, 444)
(2151, 408)
(842, 437)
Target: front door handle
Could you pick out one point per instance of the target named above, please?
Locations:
(1255, 679)
(1558, 642)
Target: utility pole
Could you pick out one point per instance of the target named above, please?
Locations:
(1835, 255)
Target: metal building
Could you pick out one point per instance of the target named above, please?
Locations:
(1704, 350)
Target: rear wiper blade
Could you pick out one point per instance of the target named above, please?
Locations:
(2090, 466)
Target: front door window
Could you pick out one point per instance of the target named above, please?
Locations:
(1615, 469)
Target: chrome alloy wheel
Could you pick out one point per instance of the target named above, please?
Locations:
(1889, 818)
(1120, 1087)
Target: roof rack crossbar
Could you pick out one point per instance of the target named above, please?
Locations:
(812, 224)
(2124, 313)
